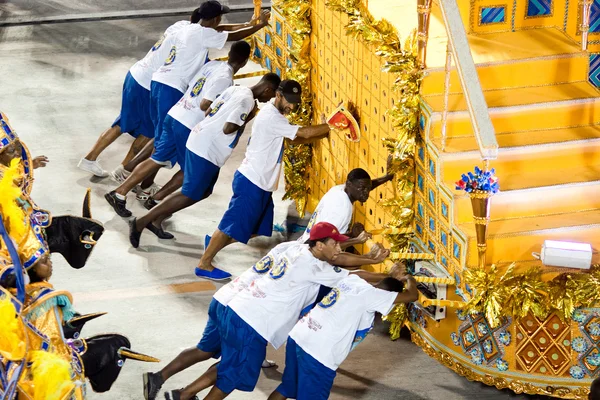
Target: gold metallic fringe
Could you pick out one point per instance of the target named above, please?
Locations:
(397, 318)
(499, 382)
(297, 158)
(403, 63)
(517, 294)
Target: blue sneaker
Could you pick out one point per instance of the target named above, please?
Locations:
(206, 241)
(214, 275)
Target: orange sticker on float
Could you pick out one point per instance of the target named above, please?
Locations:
(343, 121)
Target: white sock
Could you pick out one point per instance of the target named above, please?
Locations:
(120, 196)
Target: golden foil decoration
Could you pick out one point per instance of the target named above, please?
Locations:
(518, 293)
(401, 61)
(481, 202)
(297, 158)
(397, 318)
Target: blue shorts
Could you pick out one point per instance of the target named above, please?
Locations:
(211, 338)
(135, 109)
(250, 211)
(242, 353)
(162, 98)
(200, 176)
(169, 149)
(304, 378)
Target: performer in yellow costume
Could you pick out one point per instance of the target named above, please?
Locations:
(41, 355)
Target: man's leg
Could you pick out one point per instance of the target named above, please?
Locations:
(117, 198)
(142, 171)
(106, 139)
(141, 156)
(216, 394)
(174, 183)
(137, 146)
(183, 361)
(89, 163)
(218, 241)
(289, 381)
(153, 381)
(153, 219)
(208, 379)
(276, 396)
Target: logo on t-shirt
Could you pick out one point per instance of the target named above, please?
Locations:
(337, 269)
(215, 108)
(172, 55)
(279, 270)
(264, 265)
(330, 299)
(198, 87)
(243, 116)
(313, 220)
(158, 43)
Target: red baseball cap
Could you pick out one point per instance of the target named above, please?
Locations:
(324, 230)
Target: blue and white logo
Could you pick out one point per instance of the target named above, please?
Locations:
(198, 87)
(330, 299)
(279, 270)
(215, 108)
(264, 265)
(172, 55)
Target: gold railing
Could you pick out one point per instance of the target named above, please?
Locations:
(458, 49)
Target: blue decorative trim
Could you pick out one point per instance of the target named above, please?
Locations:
(257, 53)
(538, 8)
(444, 210)
(432, 197)
(594, 74)
(595, 17)
(493, 15)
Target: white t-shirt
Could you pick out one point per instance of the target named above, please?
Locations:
(264, 153)
(212, 79)
(334, 207)
(187, 55)
(143, 69)
(272, 303)
(329, 330)
(228, 292)
(207, 138)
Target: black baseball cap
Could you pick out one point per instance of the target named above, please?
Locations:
(211, 9)
(291, 90)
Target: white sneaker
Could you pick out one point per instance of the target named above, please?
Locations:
(145, 194)
(92, 167)
(120, 174)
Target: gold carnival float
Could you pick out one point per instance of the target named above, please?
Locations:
(449, 90)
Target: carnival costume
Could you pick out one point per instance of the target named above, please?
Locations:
(41, 353)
